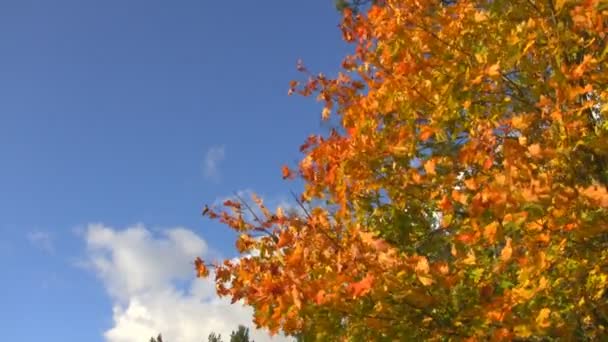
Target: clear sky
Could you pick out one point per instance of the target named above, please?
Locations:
(119, 119)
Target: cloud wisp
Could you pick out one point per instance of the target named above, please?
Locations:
(42, 240)
(214, 156)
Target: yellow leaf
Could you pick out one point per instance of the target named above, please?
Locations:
(446, 220)
(422, 266)
(477, 80)
(480, 16)
(280, 213)
(470, 259)
(493, 70)
(542, 283)
(425, 280)
(523, 141)
(542, 320)
(522, 331)
(325, 113)
(518, 122)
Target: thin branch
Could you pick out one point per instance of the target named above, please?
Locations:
(257, 219)
(336, 245)
(295, 197)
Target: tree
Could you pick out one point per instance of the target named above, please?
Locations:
(213, 337)
(463, 194)
(240, 335)
(157, 339)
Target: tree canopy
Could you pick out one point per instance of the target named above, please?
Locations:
(463, 194)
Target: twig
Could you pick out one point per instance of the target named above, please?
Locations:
(336, 245)
(257, 219)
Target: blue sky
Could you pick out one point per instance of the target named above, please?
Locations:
(138, 112)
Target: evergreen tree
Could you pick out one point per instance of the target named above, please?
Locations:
(213, 337)
(157, 339)
(240, 335)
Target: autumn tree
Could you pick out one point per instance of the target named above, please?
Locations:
(464, 194)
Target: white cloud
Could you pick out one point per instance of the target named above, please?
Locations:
(213, 157)
(150, 278)
(42, 240)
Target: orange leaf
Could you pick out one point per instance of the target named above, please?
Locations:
(429, 166)
(502, 334)
(507, 251)
(295, 257)
(426, 132)
(200, 267)
(295, 295)
(284, 239)
(459, 197)
(320, 297)
(443, 268)
(596, 193)
(466, 237)
(534, 150)
(287, 173)
(363, 286)
(480, 16)
(445, 204)
(471, 184)
(489, 232)
(488, 164)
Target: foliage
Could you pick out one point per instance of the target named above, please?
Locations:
(463, 195)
